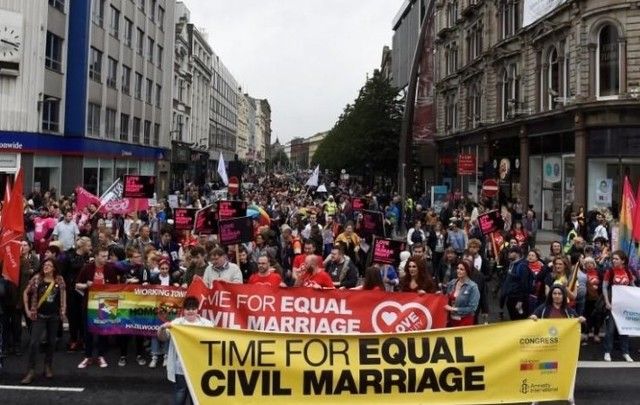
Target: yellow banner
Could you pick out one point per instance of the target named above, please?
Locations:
(519, 361)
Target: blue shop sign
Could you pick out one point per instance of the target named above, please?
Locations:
(34, 142)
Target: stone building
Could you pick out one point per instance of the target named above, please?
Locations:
(544, 94)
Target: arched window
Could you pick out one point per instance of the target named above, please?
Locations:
(474, 105)
(553, 78)
(608, 62)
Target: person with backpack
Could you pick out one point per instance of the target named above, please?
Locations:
(619, 274)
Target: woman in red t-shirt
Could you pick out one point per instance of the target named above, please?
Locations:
(618, 274)
(594, 292)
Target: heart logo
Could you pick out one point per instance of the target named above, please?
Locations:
(393, 317)
(389, 317)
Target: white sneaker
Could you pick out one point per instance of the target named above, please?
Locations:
(154, 362)
(627, 358)
(607, 357)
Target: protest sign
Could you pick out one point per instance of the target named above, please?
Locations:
(521, 361)
(372, 224)
(625, 307)
(235, 230)
(206, 221)
(358, 203)
(183, 218)
(136, 186)
(490, 222)
(127, 309)
(304, 310)
(231, 209)
(387, 251)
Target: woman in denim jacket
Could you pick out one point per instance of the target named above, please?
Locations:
(464, 297)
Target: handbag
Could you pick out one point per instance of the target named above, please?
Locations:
(600, 307)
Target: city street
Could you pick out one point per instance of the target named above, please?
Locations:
(597, 383)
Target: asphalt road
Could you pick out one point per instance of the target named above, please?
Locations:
(597, 382)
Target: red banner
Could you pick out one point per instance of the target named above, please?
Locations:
(304, 310)
(466, 165)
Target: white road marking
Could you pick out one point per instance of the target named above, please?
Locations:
(607, 364)
(40, 388)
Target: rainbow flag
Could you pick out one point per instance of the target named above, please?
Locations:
(627, 210)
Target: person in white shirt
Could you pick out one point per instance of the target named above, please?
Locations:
(221, 269)
(175, 370)
(601, 229)
(66, 231)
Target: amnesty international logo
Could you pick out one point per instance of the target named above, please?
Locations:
(524, 387)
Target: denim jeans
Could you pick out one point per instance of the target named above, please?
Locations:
(158, 348)
(610, 330)
(181, 391)
(40, 326)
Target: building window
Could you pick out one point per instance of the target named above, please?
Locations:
(509, 92)
(451, 111)
(124, 127)
(161, 18)
(97, 12)
(147, 132)
(140, 41)
(112, 72)
(452, 13)
(50, 114)
(149, 94)
(159, 56)
(93, 119)
(138, 86)
(553, 78)
(158, 95)
(179, 126)
(474, 42)
(152, 10)
(474, 105)
(156, 135)
(509, 18)
(608, 62)
(451, 51)
(53, 53)
(128, 32)
(136, 130)
(141, 4)
(114, 23)
(566, 83)
(110, 123)
(126, 79)
(150, 47)
(95, 65)
(58, 4)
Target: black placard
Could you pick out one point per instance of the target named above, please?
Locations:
(136, 186)
(183, 218)
(206, 221)
(387, 251)
(231, 209)
(235, 230)
(490, 222)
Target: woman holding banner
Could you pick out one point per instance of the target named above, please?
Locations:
(619, 274)
(464, 297)
(417, 278)
(556, 306)
(45, 304)
(175, 371)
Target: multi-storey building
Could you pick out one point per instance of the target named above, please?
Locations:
(242, 139)
(223, 121)
(252, 144)
(84, 91)
(263, 129)
(545, 94)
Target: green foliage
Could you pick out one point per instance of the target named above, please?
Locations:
(279, 159)
(366, 137)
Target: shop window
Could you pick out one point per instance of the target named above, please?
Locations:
(608, 62)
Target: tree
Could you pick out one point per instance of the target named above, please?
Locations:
(366, 137)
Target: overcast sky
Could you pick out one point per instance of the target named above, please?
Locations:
(309, 58)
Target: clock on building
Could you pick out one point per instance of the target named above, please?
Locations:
(11, 36)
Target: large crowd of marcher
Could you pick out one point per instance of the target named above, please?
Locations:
(310, 240)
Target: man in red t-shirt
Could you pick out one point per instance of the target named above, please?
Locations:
(265, 274)
(313, 276)
(298, 261)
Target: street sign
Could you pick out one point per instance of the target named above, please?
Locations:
(490, 188)
(233, 185)
(466, 165)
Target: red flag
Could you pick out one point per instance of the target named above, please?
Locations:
(12, 226)
(635, 232)
(85, 198)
